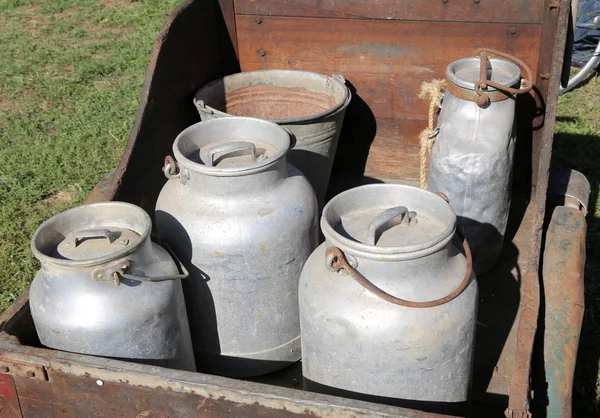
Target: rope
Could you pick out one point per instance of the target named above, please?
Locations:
(431, 91)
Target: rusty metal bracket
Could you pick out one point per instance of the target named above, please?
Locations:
(16, 369)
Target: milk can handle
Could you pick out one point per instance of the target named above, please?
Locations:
(387, 219)
(483, 82)
(338, 262)
(183, 273)
(208, 155)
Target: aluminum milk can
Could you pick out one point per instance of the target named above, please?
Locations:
(472, 157)
(106, 289)
(244, 222)
(388, 303)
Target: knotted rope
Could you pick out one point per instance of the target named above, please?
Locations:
(431, 91)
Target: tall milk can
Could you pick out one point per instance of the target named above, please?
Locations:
(388, 302)
(472, 157)
(106, 289)
(244, 222)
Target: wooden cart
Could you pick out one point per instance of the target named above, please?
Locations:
(525, 355)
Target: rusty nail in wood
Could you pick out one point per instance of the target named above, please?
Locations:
(258, 20)
(545, 76)
(4, 369)
(30, 374)
(512, 30)
(261, 52)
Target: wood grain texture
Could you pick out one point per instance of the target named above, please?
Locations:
(517, 11)
(385, 63)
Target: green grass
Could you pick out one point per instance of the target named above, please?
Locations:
(71, 73)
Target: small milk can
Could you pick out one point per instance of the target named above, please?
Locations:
(244, 221)
(106, 289)
(388, 303)
(472, 157)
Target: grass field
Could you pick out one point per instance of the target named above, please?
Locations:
(71, 73)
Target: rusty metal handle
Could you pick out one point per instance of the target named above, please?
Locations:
(483, 54)
(172, 171)
(338, 262)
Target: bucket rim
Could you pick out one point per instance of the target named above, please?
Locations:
(335, 78)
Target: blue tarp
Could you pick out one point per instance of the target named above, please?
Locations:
(585, 39)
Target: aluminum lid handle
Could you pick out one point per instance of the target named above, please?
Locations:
(388, 219)
(209, 155)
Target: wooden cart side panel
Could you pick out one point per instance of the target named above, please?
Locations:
(86, 386)
(385, 62)
(520, 390)
(542, 81)
(518, 11)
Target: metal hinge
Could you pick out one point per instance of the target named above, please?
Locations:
(32, 371)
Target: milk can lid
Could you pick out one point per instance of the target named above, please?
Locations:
(91, 234)
(465, 72)
(388, 219)
(92, 243)
(231, 145)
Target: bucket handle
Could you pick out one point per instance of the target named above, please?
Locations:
(387, 219)
(208, 155)
(337, 261)
(482, 54)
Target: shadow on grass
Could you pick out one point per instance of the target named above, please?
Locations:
(582, 152)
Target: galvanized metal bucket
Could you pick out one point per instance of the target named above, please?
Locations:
(310, 105)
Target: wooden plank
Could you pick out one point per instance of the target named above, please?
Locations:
(385, 61)
(228, 13)
(517, 11)
(394, 154)
(385, 64)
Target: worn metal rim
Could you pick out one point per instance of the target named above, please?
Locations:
(474, 63)
(340, 105)
(373, 252)
(284, 147)
(144, 232)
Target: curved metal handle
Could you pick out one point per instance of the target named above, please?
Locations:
(203, 109)
(386, 220)
(171, 170)
(338, 262)
(78, 237)
(527, 81)
(208, 155)
(183, 273)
